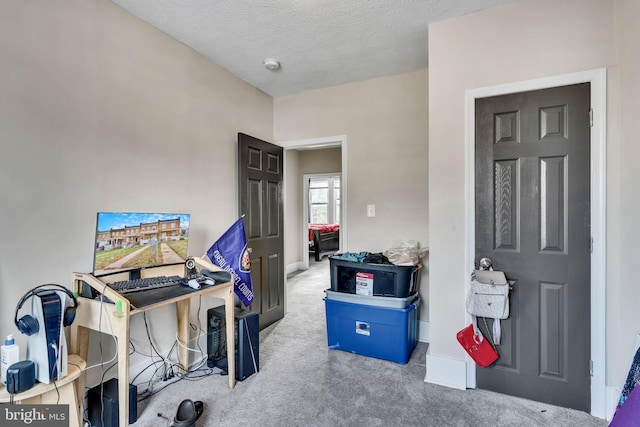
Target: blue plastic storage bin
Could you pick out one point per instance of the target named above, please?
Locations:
(380, 332)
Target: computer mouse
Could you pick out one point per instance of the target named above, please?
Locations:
(193, 283)
(209, 282)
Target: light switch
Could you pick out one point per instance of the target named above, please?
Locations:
(371, 210)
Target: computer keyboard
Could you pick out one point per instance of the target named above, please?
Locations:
(135, 285)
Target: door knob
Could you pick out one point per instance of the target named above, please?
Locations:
(485, 264)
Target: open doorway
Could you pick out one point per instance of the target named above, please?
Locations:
(322, 213)
(314, 150)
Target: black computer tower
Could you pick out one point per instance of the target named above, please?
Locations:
(246, 332)
(108, 417)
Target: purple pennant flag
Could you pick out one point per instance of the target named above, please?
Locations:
(230, 253)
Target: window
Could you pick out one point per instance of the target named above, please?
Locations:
(324, 200)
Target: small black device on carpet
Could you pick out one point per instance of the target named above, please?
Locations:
(102, 404)
(21, 376)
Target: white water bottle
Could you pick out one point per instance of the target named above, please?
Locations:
(10, 355)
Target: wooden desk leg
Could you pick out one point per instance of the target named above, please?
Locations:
(123, 381)
(229, 310)
(121, 326)
(182, 312)
(79, 344)
(78, 389)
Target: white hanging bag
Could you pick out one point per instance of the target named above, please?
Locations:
(488, 296)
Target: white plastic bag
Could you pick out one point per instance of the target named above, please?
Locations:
(406, 253)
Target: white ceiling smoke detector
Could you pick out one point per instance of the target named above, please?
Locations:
(271, 64)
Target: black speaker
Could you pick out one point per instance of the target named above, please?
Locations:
(109, 392)
(21, 376)
(246, 333)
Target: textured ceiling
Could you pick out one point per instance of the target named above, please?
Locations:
(319, 43)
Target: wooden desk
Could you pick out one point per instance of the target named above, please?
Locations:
(70, 389)
(104, 317)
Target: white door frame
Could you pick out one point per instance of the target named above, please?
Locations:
(326, 142)
(598, 80)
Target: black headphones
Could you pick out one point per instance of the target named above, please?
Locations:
(28, 325)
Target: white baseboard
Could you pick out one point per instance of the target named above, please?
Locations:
(612, 398)
(446, 372)
(292, 268)
(423, 331)
(452, 373)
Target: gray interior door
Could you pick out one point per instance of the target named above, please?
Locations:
(260, 200)
(533, 222)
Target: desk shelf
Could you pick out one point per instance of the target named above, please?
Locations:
(67, 390)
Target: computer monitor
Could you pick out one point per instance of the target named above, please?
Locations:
(133, 241)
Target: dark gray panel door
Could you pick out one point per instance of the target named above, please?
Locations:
(532, 221)
(260, 200)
